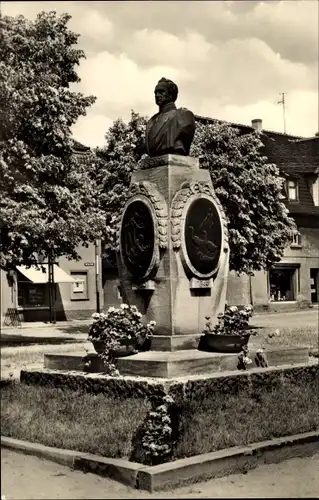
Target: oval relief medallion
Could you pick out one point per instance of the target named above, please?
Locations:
(202, 237)
(137, 239)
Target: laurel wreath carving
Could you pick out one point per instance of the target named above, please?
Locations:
(149, 190)
(186, 190)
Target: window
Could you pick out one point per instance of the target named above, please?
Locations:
(79, 289)
(283, 283)
(295, 239)
(31, 295)
(292, 190)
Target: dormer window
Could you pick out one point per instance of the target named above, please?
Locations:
(292, 190)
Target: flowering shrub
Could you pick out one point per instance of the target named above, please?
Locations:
(261, 358)
(157, 440)
(118, 327)
(231, 322)
(243, 359)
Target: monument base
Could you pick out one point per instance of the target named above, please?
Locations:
(175, 342)
(161, 364)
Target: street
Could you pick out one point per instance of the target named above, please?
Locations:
(26, 477)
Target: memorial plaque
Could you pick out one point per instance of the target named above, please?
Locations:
(203, 236)
(137, 238)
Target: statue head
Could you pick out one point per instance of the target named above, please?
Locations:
(165, 91)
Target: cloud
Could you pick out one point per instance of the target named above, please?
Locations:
(94, 134)
(230, 59)
(120, 84)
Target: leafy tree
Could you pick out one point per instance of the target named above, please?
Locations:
(248, 186)
(250, 189)
(114, 166)
(48, 202)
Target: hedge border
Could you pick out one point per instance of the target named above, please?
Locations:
(184, 389)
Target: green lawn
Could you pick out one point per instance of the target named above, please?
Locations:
(223, 421)
(72, 420)
(287, 337)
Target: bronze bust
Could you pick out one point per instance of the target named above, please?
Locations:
(171, 130)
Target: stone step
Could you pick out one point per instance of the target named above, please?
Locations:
(173, 364)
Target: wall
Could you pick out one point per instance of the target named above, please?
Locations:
(6, 296)
(315, 191)
(80, 308)
(238, 289)
(66, 307)
(307, 256)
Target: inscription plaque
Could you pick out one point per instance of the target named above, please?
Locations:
(137, 238)
(203, 236)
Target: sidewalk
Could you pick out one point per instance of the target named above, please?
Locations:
(77, 330)
(25, 477)
(45, 333)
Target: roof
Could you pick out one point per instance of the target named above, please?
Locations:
(78, 147)
(296, 157)
(291, 153)
(248, 129)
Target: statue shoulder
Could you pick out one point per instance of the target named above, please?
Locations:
(185, 111)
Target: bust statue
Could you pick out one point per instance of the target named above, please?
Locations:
(171, 130)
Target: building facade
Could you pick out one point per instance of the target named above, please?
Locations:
(294, 281)
(25, 292)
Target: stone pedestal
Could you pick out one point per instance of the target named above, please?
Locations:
(173, 250)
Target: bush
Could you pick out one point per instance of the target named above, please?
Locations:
(116, 328)
(232, 322)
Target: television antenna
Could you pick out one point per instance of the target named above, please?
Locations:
(283, 102)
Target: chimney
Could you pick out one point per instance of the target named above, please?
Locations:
(257, 124)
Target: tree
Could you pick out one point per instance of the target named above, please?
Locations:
(248, 187)
(114, 166)
(48, 203)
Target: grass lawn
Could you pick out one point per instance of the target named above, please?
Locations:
(223, 420)
(286, 337)
(72, 420)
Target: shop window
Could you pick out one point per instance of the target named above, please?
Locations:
(79, 289)
(283, 284)
(31, 295)
(295, 239)
(292, 190)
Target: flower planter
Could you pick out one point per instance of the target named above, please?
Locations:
(124, 350)
(127, 348)
(223, 343)
(98, 346)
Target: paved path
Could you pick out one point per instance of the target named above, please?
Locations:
(26, 477)
(294, 319)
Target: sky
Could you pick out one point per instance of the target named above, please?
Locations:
(230, 59)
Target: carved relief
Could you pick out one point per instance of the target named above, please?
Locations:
(138, 238)
(149, 189)
(180, 199)
(159, 205)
